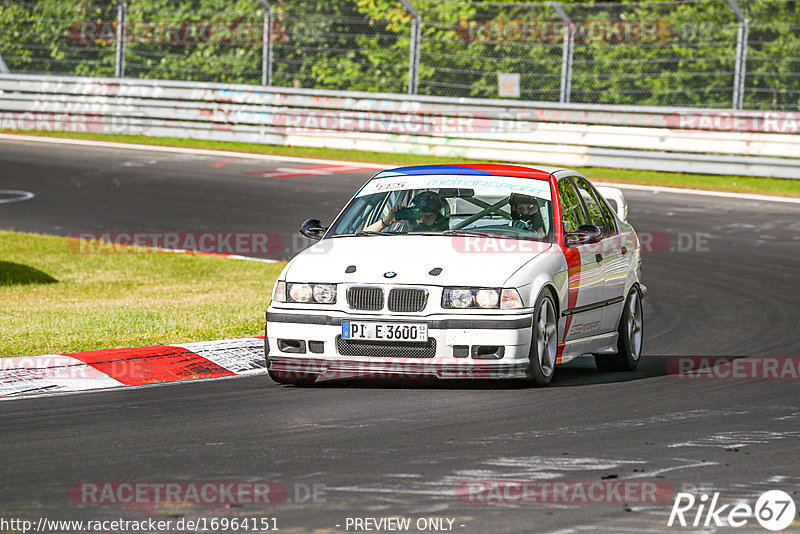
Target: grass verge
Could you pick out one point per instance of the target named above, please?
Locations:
(736, 184)
(56, 300)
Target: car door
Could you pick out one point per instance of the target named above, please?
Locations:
(615, 266)
(586, 278)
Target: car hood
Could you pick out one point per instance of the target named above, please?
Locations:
(467, 261)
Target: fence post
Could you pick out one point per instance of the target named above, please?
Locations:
(266, 48)
(740, 69)
(122, 16)
(566, 52)
(416, 37)
(3, 66)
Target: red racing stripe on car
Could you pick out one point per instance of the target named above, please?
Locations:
(573, 257)
(149, 365)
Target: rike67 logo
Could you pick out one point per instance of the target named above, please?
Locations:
(774, 510)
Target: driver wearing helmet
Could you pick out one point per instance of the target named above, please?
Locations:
(434, 215)
(526, 214)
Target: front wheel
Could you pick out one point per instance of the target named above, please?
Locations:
(629, 340)
(544, 341)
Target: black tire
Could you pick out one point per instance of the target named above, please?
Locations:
(292, 378)
(544, 341)
(629, 340)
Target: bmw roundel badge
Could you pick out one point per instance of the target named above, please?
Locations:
(390, 274)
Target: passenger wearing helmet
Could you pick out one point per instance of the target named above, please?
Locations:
(434, 215)
(525, 214)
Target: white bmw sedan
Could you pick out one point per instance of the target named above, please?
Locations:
(461, 271)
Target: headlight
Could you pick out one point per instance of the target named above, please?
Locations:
(279, 293)
(457, 298)
(313, 293)
(324, 293)
(486, 298)
(300, 292)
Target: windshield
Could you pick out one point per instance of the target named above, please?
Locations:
(518, 208)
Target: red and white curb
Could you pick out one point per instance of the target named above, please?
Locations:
(112, 368)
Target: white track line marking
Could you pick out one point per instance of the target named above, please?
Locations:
(21, 195)
(267, 157)
(180, 150)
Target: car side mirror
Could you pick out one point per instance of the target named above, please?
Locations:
(312, 229)
(586, 234)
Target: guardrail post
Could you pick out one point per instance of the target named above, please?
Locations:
(413, 53)
(266, 47)
(566, 52)
(122, 15)
(3, 67)
(740, 69)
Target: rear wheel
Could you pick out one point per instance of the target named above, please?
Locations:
(629, 340)
(544, 341)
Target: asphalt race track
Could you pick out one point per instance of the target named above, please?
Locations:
(723, 281)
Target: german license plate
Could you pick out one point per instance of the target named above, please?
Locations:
(385, 331)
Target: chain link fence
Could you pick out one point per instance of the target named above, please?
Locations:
(689, 53)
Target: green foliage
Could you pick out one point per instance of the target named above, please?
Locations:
(686, 59)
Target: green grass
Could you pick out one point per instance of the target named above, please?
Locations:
(739, 184)
(55, 299)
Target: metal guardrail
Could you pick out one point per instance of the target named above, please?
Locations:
(665, 139)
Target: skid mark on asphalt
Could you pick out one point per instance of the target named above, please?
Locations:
(313, 170)
(580, 430)
(737, 439)
(139, 162)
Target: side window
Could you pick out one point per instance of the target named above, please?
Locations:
(598, 212)
(395, 197)
(571, 212)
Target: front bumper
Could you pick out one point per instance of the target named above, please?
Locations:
(459, 346)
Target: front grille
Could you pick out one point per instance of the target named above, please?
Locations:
(365, 298)
(407, 300)
(386, 349)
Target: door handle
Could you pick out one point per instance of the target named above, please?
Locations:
(624, 250)
(598, 258)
